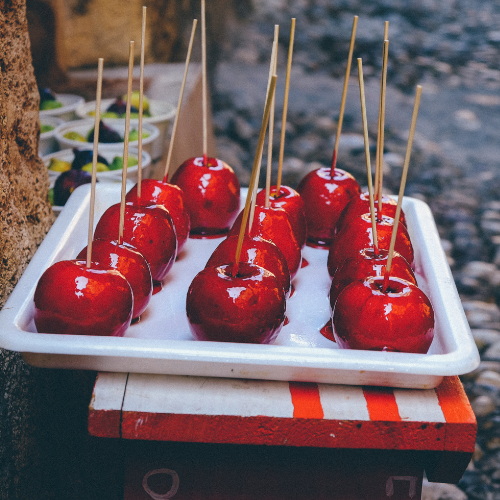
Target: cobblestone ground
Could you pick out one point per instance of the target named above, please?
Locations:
(451, 48)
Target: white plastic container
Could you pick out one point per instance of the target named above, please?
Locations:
(110, 176)
(163, 114)
(68, 110)
(83, 127)
(162, 343)
(48, 143)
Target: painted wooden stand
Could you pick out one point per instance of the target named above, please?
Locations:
(208, 438)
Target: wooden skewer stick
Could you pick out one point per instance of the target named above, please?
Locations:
(94, 157)
(344, 95)
(258, 154)
(377, 163)
(204, 82)
(382, 131)
(270, 141)
(403, 183)
(126, 140)
(367, 154)
(179, 103)
(285, 105)
(141, 102)
(271, 73)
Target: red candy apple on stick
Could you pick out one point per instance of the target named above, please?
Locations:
(152, 191)
(386, 313)
(326, 191)
(368, 261)
(149, 229)
(283, 196)
(273, 224)
(74, 296)
(360, 205)
(238, 302)
(269, 222)
(255, 250)
(211, 188)
(129, 262)
(122, 257)
(359, 235)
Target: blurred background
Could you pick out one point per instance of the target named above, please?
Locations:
(450, 47)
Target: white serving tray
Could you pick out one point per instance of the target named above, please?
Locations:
(161, 342)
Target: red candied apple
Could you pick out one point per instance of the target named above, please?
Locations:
(73, 299)
(291, 202)
(249, 307)
(150, 230)
(360, 205)
(358, 235)
(257, 251)
(367, 263)
(273, 224)
(324, 199)
(154, 192)
(398, 319)
(129, 262)
(211, 195)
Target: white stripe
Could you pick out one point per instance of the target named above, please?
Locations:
(108, 391)
(207, 396)
(418, 405)
(341, 402)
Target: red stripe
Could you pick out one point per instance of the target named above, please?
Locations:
(305, 399)
(453, 401)
(381, 404)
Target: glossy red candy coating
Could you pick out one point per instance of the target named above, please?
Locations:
(324, 199)
(400, 319)
(358, 235)
(248, 308)
(129, 262)
(149, 229)
(273, 224)
(366, 263)
(211, 195)
(360, 205)
(155, 192)
(75, 300)
(291, 202)
(257, 251)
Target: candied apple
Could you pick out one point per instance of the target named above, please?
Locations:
(255, 250)
(273, 224)
(291, 202)
(129, 262)
(249, 307)
(75, 300)
(367, 263)
(211, 195)
(171, 197)
(358, 235)
(149, 229)
(399, 318)
(324, 197)
(360, 205)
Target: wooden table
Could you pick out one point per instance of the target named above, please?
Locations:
(209, 438)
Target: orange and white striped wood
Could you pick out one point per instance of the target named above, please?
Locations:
(215, 410)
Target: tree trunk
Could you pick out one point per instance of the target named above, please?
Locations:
(45, 451)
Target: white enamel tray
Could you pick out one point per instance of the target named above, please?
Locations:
(162, 344)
